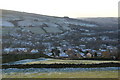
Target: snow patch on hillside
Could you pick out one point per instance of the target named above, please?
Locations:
(6, 24)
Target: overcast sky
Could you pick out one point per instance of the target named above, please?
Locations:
(71, 8)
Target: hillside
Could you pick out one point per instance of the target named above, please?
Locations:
(34, 33)
(42, 23)
(103, 21)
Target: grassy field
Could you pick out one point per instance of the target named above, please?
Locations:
(52, 61)
(51, 30)
(36, 30)
(62, 73)
(7, 29)
(85, 74)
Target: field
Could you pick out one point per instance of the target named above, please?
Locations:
(52, 61)
(7, 29)
(78, 74)
(36, 30)
(104, 72)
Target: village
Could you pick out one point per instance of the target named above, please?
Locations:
(72, 53)
(68, 44)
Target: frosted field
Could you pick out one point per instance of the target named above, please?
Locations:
(52, 61)
(108, 72)
(105, 72)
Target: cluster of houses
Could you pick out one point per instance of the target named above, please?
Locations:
(70, 52)
(19, 50)
(78, 53)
